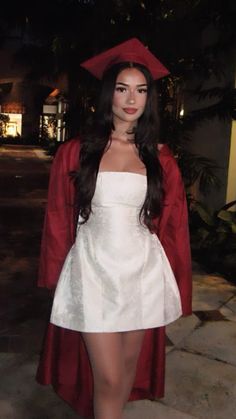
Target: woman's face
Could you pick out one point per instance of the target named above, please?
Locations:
(130, 96)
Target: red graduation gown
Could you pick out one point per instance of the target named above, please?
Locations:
(64, 361)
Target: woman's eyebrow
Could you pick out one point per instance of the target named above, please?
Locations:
(125, 84)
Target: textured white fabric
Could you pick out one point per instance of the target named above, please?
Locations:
(116, 276)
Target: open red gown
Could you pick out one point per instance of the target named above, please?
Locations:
(64, 362)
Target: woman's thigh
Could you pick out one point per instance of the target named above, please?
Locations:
(112, 355)
(131, 346)
(106, 356)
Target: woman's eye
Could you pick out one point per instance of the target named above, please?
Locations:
(120, 89)
(142, 90)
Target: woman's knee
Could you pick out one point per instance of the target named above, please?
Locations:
(109, 384)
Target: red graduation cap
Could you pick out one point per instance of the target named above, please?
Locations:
(131, 51)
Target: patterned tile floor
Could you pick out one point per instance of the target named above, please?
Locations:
(201, 361)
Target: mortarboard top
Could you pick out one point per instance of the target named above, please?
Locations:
(129, 51)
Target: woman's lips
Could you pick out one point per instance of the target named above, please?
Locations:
(130, 110)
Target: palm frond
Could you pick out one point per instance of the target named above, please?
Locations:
(203, 169)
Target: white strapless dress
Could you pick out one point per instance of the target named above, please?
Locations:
(116, 276)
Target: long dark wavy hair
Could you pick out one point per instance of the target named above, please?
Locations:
(96, 137)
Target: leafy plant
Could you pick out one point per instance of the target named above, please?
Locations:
(4, 119)
(213, 238)
(199, 169)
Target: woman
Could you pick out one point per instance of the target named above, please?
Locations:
(116, 288)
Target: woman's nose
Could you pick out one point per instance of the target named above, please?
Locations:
(131, 98)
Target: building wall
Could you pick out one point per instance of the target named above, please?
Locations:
(231, 184)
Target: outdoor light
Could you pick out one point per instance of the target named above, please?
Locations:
(11, 129)
(181, 113)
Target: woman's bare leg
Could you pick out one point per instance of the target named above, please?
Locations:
(113, 358)
(106, 357)
(131, 347)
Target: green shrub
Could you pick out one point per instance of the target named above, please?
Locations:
(213, 238)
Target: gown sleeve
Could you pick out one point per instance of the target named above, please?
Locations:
(58, 229)
(173, 230)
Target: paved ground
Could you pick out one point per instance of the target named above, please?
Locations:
(201, 361)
